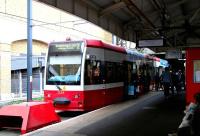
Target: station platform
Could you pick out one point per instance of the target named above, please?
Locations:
(148, 115)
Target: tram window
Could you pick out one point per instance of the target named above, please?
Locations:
(119, 72)
(129, 73)
(64, 74)
(134, 68)
(196, 71)
(114, 72)
(64, 69)
(93, 72)
(109, 72)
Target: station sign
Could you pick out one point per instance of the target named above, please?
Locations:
(151, 43)
(173, 54)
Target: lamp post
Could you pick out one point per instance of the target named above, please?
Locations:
(29, 50)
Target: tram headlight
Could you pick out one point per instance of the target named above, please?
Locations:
(80, 104)
(48, 95)
(76, 96)
(88, 56)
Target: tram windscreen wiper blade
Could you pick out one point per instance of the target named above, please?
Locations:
(53, 72)
(58, 87)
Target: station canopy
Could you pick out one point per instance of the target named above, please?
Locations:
(171, 23)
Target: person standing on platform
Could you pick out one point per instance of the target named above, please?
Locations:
(135, 83)
(190, 125)
(181, 81)
(166, 80)
(157, 81)
(174, 82)
(147, 81)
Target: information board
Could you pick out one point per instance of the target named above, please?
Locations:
(65, 47)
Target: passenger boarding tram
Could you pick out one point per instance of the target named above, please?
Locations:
(86, 75)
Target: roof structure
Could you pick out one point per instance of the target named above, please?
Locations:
(176, 21)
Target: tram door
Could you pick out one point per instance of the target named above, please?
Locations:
(192, 73)
(113, 76)
(129, 88)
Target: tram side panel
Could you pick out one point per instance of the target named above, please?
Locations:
(94, 78)
(103, 79)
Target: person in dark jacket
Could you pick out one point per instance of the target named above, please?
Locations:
(157, 81)
(181, 81)
(174, 82)
(166, 80)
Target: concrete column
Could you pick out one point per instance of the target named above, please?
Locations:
(5, 71)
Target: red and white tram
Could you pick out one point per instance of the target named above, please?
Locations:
(86, 75)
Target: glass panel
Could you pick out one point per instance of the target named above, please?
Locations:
(93, 72)
(64, 63)
(196, 71)
(64, 74)
(109, 72)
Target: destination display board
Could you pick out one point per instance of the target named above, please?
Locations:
(65, 47)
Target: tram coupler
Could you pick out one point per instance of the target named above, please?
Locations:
(28, 116)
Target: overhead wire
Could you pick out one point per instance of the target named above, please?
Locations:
(43, 23)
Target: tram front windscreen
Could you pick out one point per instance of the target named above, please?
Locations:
(64, 63)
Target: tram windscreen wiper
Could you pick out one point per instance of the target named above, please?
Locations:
(53, 72)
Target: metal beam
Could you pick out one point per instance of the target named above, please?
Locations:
(157, 7)
(131, 6)
(112, 8)
(92, 4)
(194, 15)
(156, 4)
(176, 4)
(131, 10)
(178, 20)
(196, 34)
(182, 27)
